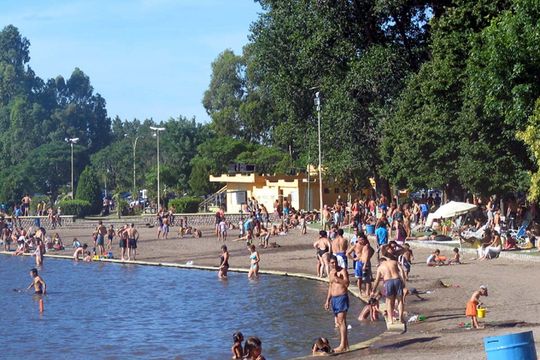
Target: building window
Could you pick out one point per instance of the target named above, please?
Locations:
(336, 191)
(326, 191)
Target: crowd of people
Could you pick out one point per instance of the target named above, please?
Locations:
(365, 239)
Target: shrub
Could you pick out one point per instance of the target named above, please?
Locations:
(79, 208)
(187, 204)
(88, 189)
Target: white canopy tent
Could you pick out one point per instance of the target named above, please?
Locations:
(451, 209)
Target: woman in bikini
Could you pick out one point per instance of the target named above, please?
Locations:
(322, 245)
(254, 259)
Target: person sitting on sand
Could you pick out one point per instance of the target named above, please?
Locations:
(435, 259)
(76, 243)
(492, 250)
(473, 304)
(456, 260)
(510, 243)
(57, 242)
(321, 347)
(237, 350)
(371, 309)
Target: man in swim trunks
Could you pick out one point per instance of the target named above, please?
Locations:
(133, 237)
(40, 288)
(123, 235)
(392, 275)
(362, 271)
(101, 232)
(339, 248)
(339, 299)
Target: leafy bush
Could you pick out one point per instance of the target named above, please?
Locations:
(88, 189)
(79, 208)
(187, 204)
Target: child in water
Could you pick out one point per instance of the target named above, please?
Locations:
(371, 310)
(253, 349)
(321, 347)
(236, 349)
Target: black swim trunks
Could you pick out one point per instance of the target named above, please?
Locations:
(132, 243)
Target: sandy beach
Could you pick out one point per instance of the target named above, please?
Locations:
(512, 305)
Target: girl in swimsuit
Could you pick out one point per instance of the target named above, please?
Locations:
(224, 263)
(255, 259)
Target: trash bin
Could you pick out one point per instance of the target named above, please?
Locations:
(519, 346)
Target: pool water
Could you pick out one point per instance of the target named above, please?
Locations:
(114, 311)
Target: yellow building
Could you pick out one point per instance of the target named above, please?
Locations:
(301, 194)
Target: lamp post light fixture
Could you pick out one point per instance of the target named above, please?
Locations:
(157, 131)
(72, 141)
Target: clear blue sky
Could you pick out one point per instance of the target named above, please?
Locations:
(147, 58)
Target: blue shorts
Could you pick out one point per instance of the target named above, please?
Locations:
(358, 269)
(100, 240)
(393, 287)
(340, 303)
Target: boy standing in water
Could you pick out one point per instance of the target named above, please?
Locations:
(472, 305)
(39, 285)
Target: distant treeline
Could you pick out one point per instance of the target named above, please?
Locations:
(418, 94)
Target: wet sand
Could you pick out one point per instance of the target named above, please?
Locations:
(513, 304)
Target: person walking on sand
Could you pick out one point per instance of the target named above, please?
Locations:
(472, 305)
(133, 237)
(338, 299)
(390, 272)
(255, 259)
(339, 248)
(40, 288)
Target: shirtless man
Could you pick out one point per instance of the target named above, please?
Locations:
(339, 299)
(123, 235)
(39, 285)
(133, 237)
(339, 248)
(101, 231)
(79, 251)
(392, 275)
(110, 237)
(363, 253)
(26, 200)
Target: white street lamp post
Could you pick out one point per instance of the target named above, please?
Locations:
(72, 141)
(134, 173)
(157, 130)
(318, 103)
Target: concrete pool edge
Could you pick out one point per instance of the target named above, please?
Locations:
(354, 292)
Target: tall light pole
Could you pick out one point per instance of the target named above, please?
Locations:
(157, 130)
(134, 173)
(318, 104)
(72, 141)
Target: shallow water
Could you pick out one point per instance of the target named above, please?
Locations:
(113, 311)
